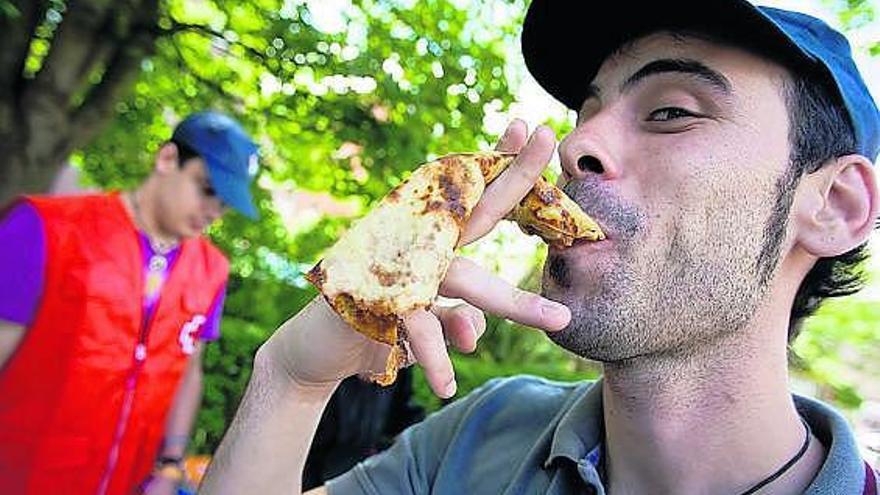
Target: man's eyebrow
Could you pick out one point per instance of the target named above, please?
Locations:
(685, 66)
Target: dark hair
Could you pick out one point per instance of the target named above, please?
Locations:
(820, 130)
(184, 152)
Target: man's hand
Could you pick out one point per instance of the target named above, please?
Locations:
(296, 370)
(316, 349)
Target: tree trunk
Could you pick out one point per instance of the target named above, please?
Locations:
(40, 125)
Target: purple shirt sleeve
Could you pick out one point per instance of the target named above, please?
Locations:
(211, 328)
(22, 264)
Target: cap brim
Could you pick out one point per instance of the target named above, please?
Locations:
(232, 189)
(565, 43)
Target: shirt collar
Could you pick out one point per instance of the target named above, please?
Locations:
(580, 432)
(843, 470)
(580, 429)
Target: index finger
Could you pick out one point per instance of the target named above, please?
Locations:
(511, 186)
(514, 137)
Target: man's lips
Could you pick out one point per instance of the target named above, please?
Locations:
(583, 244)
(583, 241)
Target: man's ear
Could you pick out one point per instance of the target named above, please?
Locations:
(839, 211)
(166, 159)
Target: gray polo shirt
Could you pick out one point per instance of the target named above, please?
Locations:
(526, 435)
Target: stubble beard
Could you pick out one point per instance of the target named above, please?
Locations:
(668, 300)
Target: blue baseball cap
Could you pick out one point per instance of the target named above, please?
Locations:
(229, 153)
(564, 44)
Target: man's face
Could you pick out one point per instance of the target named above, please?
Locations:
(187, 203)
(681, 148)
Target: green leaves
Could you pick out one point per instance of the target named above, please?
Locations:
(853, 14)
(345, 112)
(8, 10)
(348, 113)
(839, 349)
(345, 102)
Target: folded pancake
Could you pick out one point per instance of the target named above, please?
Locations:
(391, 262)
(545, 211)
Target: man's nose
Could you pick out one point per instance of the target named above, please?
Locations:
(590, 150)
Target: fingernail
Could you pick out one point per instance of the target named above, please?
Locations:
(475, 324)
(533, 136)
(541, 129)
(450, 389)
(555, 311)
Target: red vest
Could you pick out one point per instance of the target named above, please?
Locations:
(83, 399)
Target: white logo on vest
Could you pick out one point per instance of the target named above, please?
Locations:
(188, 332)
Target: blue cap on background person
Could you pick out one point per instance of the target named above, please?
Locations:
(554, 30)
(229, 153)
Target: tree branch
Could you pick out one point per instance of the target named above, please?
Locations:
(181, 27)
(45, 102)
(16, 34)
(213, 85)
(122, 69)
(72, 52)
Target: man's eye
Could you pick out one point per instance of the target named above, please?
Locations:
(669, 113)
(209, 191)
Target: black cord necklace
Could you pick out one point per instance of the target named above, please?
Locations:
(785, 467)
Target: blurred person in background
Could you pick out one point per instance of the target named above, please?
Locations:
(105, 303)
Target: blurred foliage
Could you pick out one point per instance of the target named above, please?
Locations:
(471, 372)
(853, 14)
(350, 110)
(839, 349)
(7, 9)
